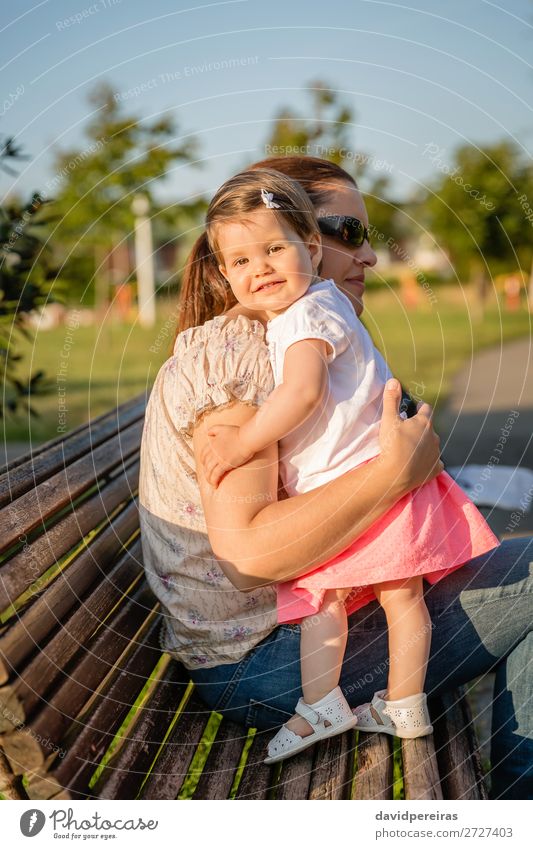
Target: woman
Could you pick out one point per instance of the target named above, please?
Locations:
(211, 555)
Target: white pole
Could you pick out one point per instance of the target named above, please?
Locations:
(144, 261)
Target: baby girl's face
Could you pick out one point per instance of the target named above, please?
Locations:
(266, 264)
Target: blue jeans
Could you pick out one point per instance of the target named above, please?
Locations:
(481, 616)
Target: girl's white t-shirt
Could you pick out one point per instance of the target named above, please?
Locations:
(343, 431)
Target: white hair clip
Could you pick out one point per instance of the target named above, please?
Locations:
(268, 200)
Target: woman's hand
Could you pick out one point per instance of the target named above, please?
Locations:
(410, 447)
(223, 453)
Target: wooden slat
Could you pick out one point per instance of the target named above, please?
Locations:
(24, 568)
(10, 785)
(53, 494)
(108, 645)
(22, 751)
(26, 472)
(420, 769)
(375, 767)
(456, 747)
(472, 744)
(332, 768)
(86, 747)
(31, 629)
(296, 776)
(257, 778)
(38, 677)
(125, 772)
(41, 785)
(170, 769)
(219, 770)
(11, 711)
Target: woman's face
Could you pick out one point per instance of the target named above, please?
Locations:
(344, 264)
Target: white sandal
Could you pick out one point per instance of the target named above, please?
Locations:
(407, 717)
(332, 709)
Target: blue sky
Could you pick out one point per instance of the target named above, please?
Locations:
(418, 74)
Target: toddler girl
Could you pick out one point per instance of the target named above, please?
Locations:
(325, 413)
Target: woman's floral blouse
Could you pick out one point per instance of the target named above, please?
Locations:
(207, 622)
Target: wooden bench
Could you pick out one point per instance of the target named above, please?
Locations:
(91, 708)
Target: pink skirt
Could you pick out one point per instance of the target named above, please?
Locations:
(431, 531)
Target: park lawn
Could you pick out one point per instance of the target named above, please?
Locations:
(105, 365)
(110, 363)
(426, 347)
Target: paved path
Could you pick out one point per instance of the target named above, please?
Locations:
(486, 394)
(494, 391)
(10, 450)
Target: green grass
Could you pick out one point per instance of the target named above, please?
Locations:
(136, 709)
(398, 789)
(427, 347)
(109, 363)
(106, 365)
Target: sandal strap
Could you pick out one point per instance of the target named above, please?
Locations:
(375, 714)
(308, 713)
(381, 708)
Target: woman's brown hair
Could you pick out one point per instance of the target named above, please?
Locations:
(314, 175)
(204, 291)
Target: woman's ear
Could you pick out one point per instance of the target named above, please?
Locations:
(315, 250)
(222, 269)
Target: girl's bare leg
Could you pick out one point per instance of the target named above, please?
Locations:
(322, 646)
(409, 627)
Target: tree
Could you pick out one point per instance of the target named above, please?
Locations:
(26, 276)
(385, 213)
(328, 134)
(325, 134)
(475, 212)
(94, 187)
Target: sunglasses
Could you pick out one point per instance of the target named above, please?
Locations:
(349, 230)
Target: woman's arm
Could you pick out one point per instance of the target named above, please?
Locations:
(305, 380)
(259, 540)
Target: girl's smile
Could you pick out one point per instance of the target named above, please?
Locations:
(268, 286)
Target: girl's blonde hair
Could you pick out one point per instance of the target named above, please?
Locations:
(205, 293)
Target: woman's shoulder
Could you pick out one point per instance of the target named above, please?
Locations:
(215, 364)
(218, 330)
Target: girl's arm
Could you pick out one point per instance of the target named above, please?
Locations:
(305, 380)
(259, 540)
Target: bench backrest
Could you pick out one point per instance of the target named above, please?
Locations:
(78, 626)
